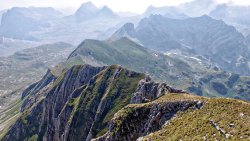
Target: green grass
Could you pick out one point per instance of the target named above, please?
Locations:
(73, 61)
(194, 124)
(9, 116)
(230, 115)
(33, 138)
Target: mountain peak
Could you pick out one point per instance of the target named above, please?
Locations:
(106, 9)
(89, 11)
(150, 8)
(127, 30)
(88, 5)
(205, 16)
(86, 8)
(168, 11)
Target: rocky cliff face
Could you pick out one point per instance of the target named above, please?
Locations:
(79, 104)
(42, 105)
(127, 30)
(147, 90)
(34, 91)
(135, 121)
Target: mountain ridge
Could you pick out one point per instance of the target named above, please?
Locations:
(79, 103)
(193, 74)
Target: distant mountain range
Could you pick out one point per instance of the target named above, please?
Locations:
(49, 25)
(213, 39)
(30, 20)
(231, 14)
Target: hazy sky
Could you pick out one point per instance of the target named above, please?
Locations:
(136, 6)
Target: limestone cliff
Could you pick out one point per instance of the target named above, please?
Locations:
(79, 104)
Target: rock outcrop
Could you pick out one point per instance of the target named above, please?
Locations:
(148, 90)
(30, 93)
(135, 121)
(180, 117)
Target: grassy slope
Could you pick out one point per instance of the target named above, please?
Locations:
(124, 52)
(182, 73)
(132, 56)
(195, 125)
(9, 116)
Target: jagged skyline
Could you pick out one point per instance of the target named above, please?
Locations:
(133, 6)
